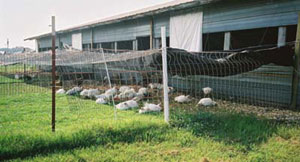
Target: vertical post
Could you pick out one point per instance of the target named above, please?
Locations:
(296, 68)
(53, 73)
(109, 82)
(116, 47)
(165, 73)
(135, 45)
(92, 39)
(227, 41)
(151, 33)
(24, 72)
(281, 36)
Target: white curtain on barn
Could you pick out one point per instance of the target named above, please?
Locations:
(77, 41)
(186, 31)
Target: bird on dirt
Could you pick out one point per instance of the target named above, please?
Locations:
(60, 91)
(206, 102)
(101, 101)
(150, 108)
(207, 91)
(127, 105)
(182, 99)
(111, 92)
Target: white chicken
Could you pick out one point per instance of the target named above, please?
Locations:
(84, 93)
(101, 101)
(150, 108)
(207, 90)
(103, 96)
(124, 88)
(60, 91)
(127, 94)
(127, 105)
(206, 102)
(182, 99)
(156, 86)
(139, 96)
(111, 92)
(93, 93)
(170, 89)
(143, 91)
(74, 91)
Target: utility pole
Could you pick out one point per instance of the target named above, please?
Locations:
(53, 73)
(7, 43)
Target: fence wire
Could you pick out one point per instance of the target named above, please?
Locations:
(257, 76)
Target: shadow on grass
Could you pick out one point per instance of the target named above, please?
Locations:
(230, 128)
(23, 146)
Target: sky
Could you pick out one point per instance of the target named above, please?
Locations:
(20, 19)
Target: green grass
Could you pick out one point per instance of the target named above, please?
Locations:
(89, 132)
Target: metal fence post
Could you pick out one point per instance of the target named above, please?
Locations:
(296, 68)
(53, 73)
(165, 74)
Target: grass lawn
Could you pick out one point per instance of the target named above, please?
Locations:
(89, 132)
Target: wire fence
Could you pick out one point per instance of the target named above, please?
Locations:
(133, 79)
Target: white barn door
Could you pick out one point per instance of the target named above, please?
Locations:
(77, 41)
(186, 31)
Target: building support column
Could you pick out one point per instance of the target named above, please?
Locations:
(92, 39)
(116, 46)
(281, 36)
(135, 45)
(151, 33)
(227, 38)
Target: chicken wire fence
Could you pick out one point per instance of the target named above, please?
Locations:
(133, 79)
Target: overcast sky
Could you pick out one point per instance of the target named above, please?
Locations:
(20, 19)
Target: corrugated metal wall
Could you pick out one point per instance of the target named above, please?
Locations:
(66, 38)
(219, 17)
(46, 42)
(122, 31)
(87, 36)
(160, 21)
(251, 14)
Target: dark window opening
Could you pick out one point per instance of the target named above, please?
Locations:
(46, 49)
(96, 45)
(213, 41)
(108, 45)
(254, 37)
(143, 43)
(125, 45)
(291, 33)
(86, 47)
(158, 41)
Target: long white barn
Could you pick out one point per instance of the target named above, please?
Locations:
(206, 25)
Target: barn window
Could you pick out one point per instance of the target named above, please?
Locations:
(96, 45)
(157, 42)
(213, 41)
(108, 45)
(125, 45)
(143, 43)
(86, 47)
(291, 33)
(254, 37)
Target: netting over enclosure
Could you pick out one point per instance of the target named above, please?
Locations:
(259, 76)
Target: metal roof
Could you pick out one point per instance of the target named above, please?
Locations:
(173, 5)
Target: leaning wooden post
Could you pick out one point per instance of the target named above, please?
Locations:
(53, 73)
(296, 68)
(165, 73)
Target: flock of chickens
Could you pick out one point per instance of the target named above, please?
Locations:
(133, 97)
